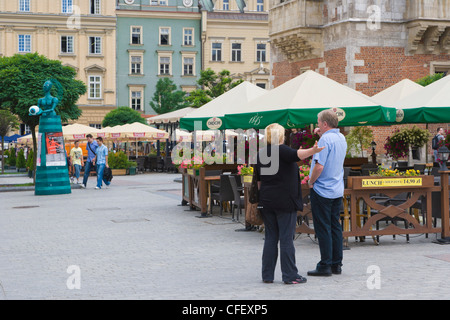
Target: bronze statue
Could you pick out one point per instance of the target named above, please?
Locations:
(46, 105)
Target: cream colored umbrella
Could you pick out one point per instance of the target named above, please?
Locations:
(78, 131)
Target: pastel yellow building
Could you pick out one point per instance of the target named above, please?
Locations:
(238, 42)
(80, 33)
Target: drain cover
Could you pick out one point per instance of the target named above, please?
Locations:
(129, 220)
(25, 207)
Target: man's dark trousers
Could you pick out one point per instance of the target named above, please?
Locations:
(326, 216)
(88, 166)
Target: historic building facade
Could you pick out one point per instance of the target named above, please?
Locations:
(80, 33)
(367, 45)
(238, 42)
(156, 39)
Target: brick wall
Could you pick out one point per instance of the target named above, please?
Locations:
(384, 66)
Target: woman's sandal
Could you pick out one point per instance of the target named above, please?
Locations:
(296, 281)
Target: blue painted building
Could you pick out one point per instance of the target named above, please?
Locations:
(155, 39)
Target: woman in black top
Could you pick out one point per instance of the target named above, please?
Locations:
(280, 197)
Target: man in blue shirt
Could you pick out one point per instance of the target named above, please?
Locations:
(327, 189)
(91, 148)
(101, 158)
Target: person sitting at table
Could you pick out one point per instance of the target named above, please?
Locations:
(280, 197)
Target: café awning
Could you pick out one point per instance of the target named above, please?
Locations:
(297, 102)
(211, 115)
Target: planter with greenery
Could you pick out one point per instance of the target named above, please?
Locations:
(118, 162)
(12, 158)
(359, 139)
(397, 145)
(20, 161)
(30, 163)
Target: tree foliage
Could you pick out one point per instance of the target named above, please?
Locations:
(21, 81)
(22, 78)
(167, 97)
(122, 115)
(213, 85)
(430, 79)
(8, 122)
(359, 139)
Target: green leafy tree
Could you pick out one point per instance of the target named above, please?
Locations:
(213, 85)
(167, 98)
(21, 80)
(430, 79)
(359, 139)
(122, 115)
(8, 122)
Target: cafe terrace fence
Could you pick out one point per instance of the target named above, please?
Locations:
(365, 203)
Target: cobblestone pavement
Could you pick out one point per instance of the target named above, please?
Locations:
(135, 241)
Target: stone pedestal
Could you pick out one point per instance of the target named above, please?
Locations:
(52, 174)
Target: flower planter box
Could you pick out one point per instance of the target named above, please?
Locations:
(119, 172)
(353, 162)
(193, 172)
(247, 179)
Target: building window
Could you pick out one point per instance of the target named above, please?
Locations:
(226, 5)
(95, 87)
(216, 54)
(261, 85)
(24, 5)
(236, 52)
(164, 65)
(136, 65)
(188, 66)
(94, 7)
(95, 125)
(24, 43)
(164, 36)
(136, 35)
(261, 52)
(188, 37)
(95, 45)
(66, 44)
(67, 6)
(260, 5)
(136, 100)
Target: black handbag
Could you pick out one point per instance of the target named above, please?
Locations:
(253, 212)
(107, 174)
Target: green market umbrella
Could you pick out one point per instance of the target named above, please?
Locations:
(211, 115)
(428, 105)
(399, 91)
(297, 102)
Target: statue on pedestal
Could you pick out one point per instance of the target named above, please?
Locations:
(52, 174)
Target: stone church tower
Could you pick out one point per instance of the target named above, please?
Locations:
(368, 45)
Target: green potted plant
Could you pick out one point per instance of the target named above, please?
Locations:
(131, 166)
(12, 158)
(118, 162)
(20, 161)
(397, 145)
(359, 139)
(5, 159)
(30, 163)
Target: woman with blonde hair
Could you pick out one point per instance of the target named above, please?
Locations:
(280, 198)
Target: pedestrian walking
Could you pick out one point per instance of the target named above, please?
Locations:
(101, 158)
(76, 157)
(326, 184)
(91, 148)
(435, 142)
(280, 198)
